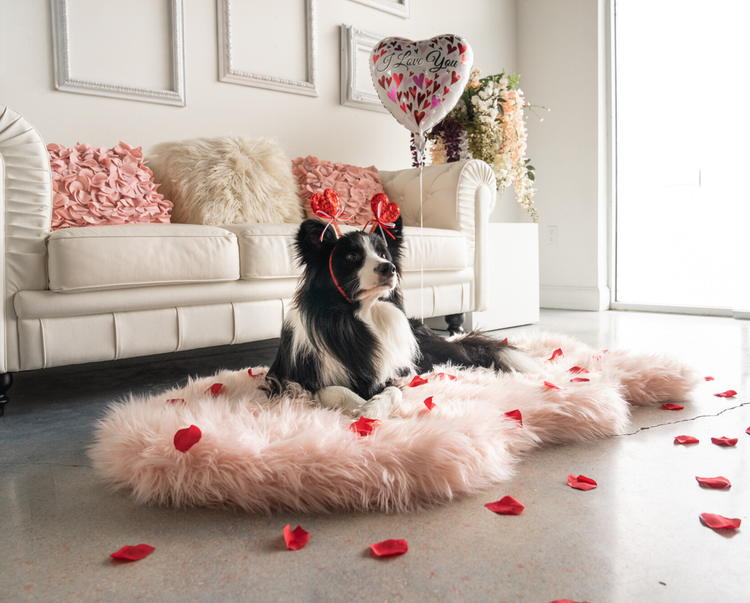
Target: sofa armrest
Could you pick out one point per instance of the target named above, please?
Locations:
(25, 208)
(455, 196)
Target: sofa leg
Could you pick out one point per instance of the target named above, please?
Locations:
(6, 380)
(454, 323)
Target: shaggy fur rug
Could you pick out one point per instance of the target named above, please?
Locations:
(293, 455)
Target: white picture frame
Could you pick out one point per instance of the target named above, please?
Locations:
(354, 41)
(228, 73)
(65, 82)
(395, 7)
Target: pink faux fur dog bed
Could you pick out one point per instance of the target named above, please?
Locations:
(292, 455)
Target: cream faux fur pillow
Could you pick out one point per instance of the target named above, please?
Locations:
(226, 180)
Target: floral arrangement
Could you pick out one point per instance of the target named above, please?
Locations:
(489, 118)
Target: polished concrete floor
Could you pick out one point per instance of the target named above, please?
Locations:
(637, 537)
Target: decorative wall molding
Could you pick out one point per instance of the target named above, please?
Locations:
(66, 83)
(227, 72)
(396, 7)
(353, 41)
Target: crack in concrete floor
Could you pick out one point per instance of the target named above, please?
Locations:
(721, 412)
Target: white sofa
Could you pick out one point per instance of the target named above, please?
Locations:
(109, 292)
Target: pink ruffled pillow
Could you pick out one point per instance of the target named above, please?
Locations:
(355, 186)
(97, 186)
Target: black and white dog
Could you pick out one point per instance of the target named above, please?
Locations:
(347, 338)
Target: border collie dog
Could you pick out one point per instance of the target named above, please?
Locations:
(346, 338)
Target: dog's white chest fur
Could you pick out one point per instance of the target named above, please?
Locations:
(396, 346)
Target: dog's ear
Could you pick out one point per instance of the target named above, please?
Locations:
(309, 245)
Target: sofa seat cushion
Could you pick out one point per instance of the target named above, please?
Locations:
(139, 255)
(266, 250)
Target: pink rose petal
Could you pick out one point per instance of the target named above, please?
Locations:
(724, 441)
(577, 370)
(670, 406)
(133, 553)
(580, 380)
(708, 378)
(717, 483)
(506, 506)
(186, 438)
(390, 547)
(552, 386)
(581, 482)
(686, 439)
(719, 522)
(295, 539)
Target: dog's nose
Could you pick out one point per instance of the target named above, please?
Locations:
(386, 269)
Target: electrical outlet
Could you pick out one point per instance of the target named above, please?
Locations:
(552, 235)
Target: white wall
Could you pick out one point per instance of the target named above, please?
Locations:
(304, 125)
(561, 61)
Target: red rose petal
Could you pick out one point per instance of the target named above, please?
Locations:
(747, 431)
(708, 378)
(558, 352)
(215, 389)
(364, 426)
(670, 406)
(295, 539)
(686, 439)
(444, 375)
(186, 438)
(717, 483)
(718, 522)
(505, 341)
(507, 505)
(581, 482)
(390, 547)
(515, 415)
(250, 372)
(580, 380)
(730, 393)
(724, 441)
(577, 369)
(417, 381)
(552, 386)
(176, 401)
(429, 403)
(133, 553)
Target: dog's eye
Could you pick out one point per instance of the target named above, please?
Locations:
(352, 257)
(382, 255)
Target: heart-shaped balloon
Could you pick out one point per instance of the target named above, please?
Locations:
(325, 205)
(384, 208)
(420, 82)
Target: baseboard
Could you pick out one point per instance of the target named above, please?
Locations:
(594, 299)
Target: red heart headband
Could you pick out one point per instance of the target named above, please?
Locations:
(328, 207)
(386, 214)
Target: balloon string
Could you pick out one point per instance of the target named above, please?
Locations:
(420, 152)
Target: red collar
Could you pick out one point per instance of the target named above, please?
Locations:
(333, 276)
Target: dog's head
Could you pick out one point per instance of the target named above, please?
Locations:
(358, 267)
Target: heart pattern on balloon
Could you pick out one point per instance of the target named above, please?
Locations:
(420, 82)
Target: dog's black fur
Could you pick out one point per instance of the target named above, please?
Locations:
(336, 331)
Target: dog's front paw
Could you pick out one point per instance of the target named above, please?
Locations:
(382, 406)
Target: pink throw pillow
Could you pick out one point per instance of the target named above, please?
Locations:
(355, 186)
(97, 186)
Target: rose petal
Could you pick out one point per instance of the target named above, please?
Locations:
(708, 378)
(686, 439)
(133, 553)
(515, 415)
(577, 369)
(581, 482)
(555, 354)
(670, 406)
(718, 522)
(390, 547)
(580, 380)
(552, 386)
(717, 483)
(507, 505)
(429, 403)
(724, 441)
(176, 401)
(295, 539)
(250, 372)
(215, 389)
(747, 431)
(417, 381)
(186, 438)
(446, 376)
(505, 341)
(730, 393)
(364, 426)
